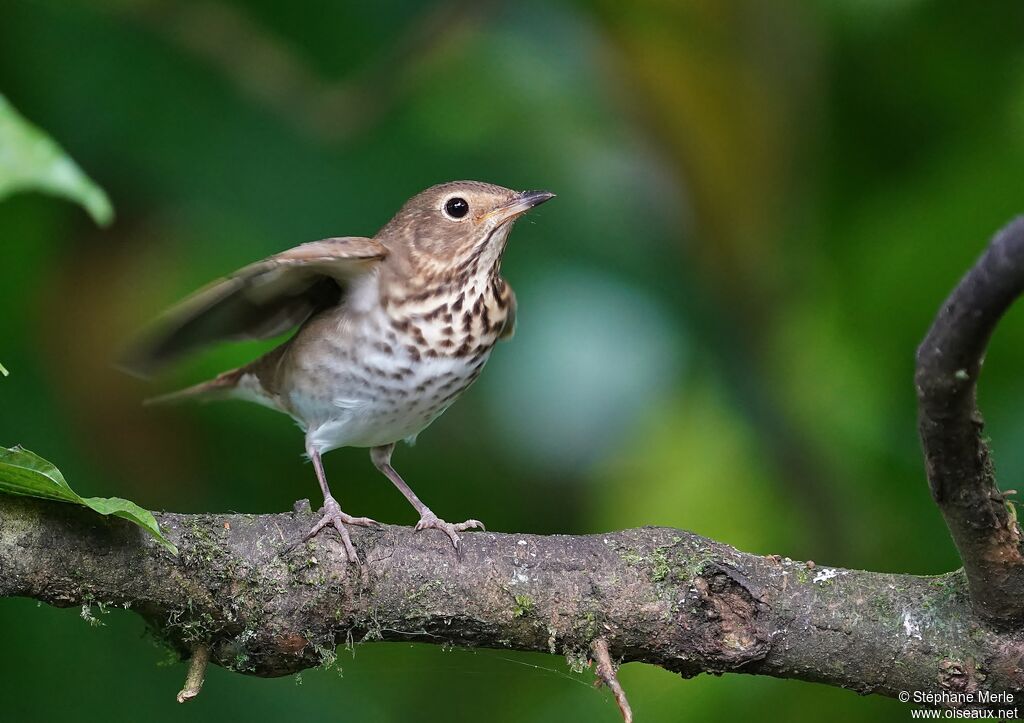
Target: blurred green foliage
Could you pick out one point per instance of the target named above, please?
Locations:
(30, 160)
(761, 205)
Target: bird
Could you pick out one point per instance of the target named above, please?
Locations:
(389, 331)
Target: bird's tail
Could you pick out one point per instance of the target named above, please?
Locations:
(221, 386)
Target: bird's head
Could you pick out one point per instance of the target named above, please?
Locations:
(457, 225)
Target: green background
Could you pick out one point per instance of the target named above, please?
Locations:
(760, 206)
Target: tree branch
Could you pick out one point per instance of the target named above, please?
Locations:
(196, 674)
(956, 455)
(606, 675)
(655, 595)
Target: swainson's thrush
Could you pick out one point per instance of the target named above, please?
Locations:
(392, 329)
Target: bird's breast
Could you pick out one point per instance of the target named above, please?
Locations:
(385, 373)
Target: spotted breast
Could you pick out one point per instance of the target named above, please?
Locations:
(386, 364)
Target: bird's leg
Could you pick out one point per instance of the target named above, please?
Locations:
(332, 514)
(381, 457)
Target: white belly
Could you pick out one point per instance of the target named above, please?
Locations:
(363, 416)
(362, 379)
(374, 392)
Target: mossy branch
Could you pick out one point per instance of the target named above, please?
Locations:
(654, 595)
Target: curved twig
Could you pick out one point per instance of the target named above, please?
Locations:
(196, 674)
(606, 675)
(956, 455)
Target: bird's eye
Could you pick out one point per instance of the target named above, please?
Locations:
(456, 207)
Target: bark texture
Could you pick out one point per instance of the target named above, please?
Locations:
(656, 595)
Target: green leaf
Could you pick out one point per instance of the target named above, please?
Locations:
(3, 371)
(27, 474)
(31, 161)
(130, 511)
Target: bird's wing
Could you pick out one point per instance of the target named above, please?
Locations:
(259, 301)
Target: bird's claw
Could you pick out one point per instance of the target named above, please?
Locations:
(333, 515)
(430, 520)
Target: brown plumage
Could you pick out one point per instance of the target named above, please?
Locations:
(391, 329)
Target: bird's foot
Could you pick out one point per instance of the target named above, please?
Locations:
(332, 515)
(430, 520)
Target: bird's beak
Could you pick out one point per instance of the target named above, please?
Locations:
(519, 205)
